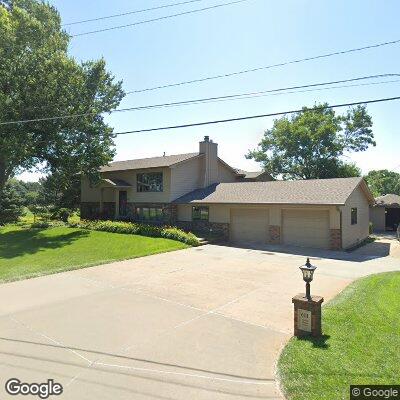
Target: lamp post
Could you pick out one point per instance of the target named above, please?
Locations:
(307, 308)
(308, 273)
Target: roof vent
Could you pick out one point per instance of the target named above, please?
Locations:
(206, 138)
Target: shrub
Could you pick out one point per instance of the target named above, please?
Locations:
(177, 234)
(10, 204)
(40, 212)
(46, 224)
(40, 225)
(62, 214)
(139, 229)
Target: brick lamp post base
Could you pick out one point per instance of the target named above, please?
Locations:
(307, 315)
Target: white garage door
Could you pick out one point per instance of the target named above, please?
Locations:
(249, 225)
(306, 228)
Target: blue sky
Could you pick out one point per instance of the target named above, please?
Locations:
(245, 35)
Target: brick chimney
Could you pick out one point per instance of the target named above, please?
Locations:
(210, 170)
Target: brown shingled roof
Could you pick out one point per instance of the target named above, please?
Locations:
(153, 162)
(316, 191)
(388, 200)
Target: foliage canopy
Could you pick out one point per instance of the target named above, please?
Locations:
(383, 182)
(38, 79)
(311, 144)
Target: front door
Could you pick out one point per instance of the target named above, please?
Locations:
(123, 200)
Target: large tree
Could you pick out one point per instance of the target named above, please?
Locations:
(61, 189)
(38, 79)
(311, 144)
(383, 182)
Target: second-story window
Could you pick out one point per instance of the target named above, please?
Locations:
(150, 182)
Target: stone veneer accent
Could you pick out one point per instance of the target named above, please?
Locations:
(170, 213)
(221, 229)
(335, 239)
(275, 234)
(90, 210)
(108, 210)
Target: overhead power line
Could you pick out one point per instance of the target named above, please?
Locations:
(196, 101)
(272, 92)
(221, 121)
(281, 64)
(281, 93)
(159, 18)
(207, 99)
(131, 12)
(240, 95)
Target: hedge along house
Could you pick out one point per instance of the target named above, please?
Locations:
(385, 213)
(200, 192)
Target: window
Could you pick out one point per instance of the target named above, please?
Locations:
(354, 216)
(149, 213)
(200, 213)
(150, 182)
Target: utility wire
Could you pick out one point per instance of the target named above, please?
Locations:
(131, 12)
(159, 18)
(283, 93)
(221, 121)
(246, 71)
(188, 103)
(202, 100)
(250, 94)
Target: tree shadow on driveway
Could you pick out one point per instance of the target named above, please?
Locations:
(367, 252)
(21, 242)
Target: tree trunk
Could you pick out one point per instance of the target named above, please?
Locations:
(3, 175)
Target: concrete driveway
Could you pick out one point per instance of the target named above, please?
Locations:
(203, 323)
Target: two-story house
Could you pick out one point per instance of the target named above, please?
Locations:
(199, 191)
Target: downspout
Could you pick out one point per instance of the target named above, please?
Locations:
(341, 230)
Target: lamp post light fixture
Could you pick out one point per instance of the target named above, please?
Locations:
(308, 273)
(307, 309)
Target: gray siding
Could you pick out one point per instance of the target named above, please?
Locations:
(353, 234)
(378, 218)
(185, 177)
(225, 174)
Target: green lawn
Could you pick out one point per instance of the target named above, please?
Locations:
(361, 343)
(30, 252)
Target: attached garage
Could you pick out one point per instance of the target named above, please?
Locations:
(307, 228)
(249, 225)
(316, 213)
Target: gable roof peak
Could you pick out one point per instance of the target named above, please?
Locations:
(150, 162)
